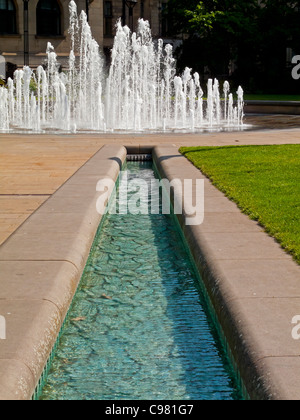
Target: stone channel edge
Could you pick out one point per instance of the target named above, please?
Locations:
(41, 265)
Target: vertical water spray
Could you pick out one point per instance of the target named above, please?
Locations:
(4, 117)
(240, 106)
(226, 89)
(141, 91)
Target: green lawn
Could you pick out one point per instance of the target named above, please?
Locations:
(264, 181)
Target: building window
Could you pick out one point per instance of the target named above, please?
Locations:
(48, 18)
(108, 19)
(8, 18)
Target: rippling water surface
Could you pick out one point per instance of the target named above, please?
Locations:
(137, 328)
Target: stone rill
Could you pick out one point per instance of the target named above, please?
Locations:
(138, 327)
(141, 91)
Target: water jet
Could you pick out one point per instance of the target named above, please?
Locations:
(141, 91)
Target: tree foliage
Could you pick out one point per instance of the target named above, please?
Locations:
(202, 18)
(244, 39)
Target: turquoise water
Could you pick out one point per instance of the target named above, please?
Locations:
(138, 328)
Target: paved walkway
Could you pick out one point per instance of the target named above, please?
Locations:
(33, 167)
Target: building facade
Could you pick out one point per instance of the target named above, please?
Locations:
(26, 26)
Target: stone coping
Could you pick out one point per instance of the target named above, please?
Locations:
(272, 107)
(41, 265)
(267, 103)
(252, 283)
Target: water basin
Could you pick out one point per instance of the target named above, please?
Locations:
(139, 328)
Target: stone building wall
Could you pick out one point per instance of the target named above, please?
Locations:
(103, 27)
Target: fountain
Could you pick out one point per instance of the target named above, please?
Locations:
(140, 93)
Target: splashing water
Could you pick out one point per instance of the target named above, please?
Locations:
(140, 93)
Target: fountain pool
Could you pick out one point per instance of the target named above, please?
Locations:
(140, 92)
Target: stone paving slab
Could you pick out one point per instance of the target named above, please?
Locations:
(47, 246)
(31, 327)
(16, 380)
(53, 281)
(40, 267)
(281, 368)
(252, 283)
(272, 278)
(14, 210)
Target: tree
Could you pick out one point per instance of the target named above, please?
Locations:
(192, 15)
(279, 28)
(252, 35)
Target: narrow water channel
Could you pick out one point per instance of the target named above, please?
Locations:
(138, 328)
